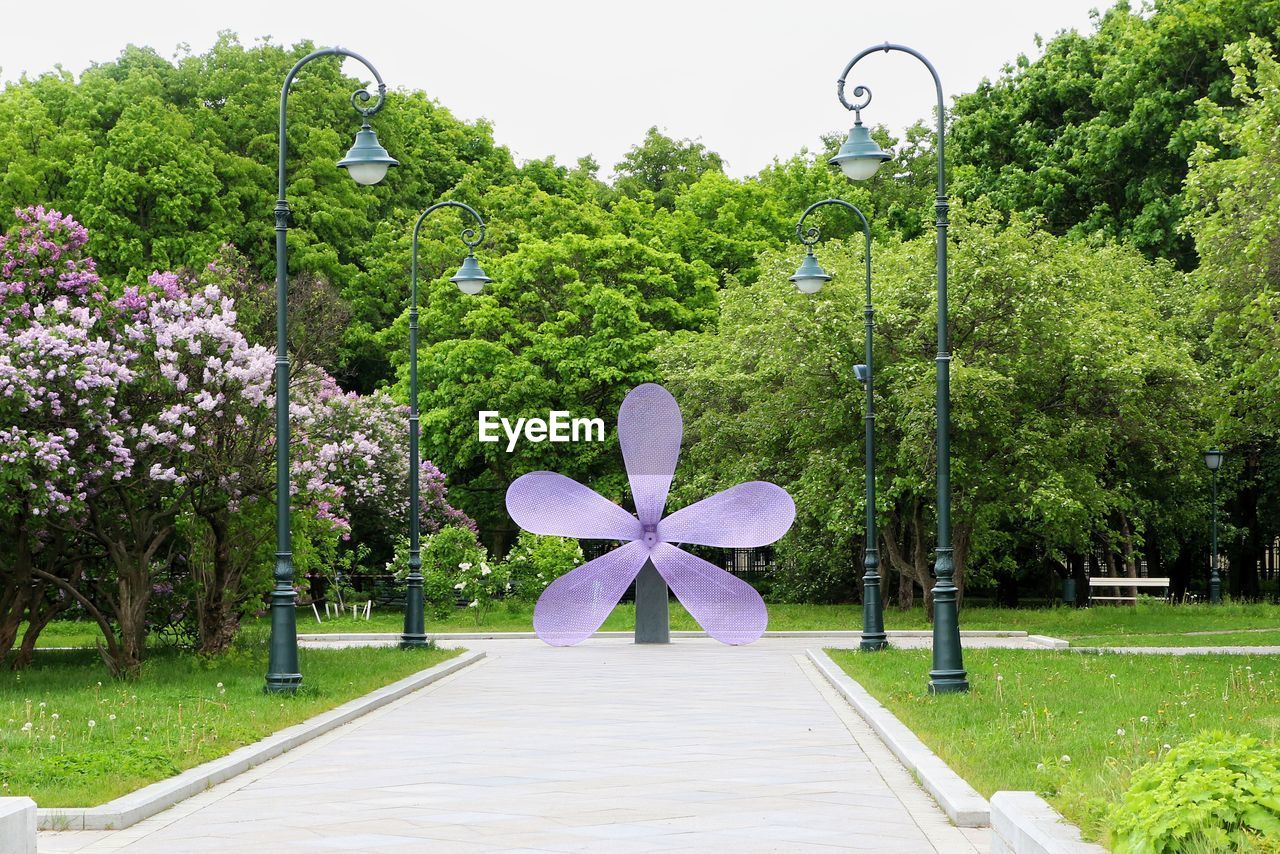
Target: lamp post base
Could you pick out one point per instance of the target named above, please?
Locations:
(653, 616)
(873, 636)
(283, 673)
(283, 683)
(873, 643)
(948, 682)
(414, 634)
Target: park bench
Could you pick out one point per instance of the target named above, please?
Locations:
(1118, 584)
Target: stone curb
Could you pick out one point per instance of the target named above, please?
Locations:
(1023, 823)
(17, 826)
(1052, 643)
(1179, 650)
(149, 800)
(960, 801)
(450, 636)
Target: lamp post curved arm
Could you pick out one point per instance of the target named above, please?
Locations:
(414, 615)
(361, 95)
(873, 636)
(948, 673)
(282, 665)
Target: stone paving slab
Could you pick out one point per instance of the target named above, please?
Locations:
(607, 747)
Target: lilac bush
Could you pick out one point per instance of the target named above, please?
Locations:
(61, 373)
(138, 435)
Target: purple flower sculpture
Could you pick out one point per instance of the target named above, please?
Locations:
(744, 516)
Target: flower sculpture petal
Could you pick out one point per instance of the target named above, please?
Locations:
(744, 516)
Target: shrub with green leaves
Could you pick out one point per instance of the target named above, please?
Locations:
(481, 585)
(535, 561)
(444, 554)
(1214, 792)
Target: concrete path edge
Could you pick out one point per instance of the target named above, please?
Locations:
(1024, 823)
(17, 826)
(149, 800)
(960, 801)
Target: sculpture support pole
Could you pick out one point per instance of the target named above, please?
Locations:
(653, 611)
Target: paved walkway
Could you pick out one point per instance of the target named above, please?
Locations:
(607, 747)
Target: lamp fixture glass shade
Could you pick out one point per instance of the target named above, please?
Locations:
(367, 160)
(1213, 459)
(809, 277)
(860, 156)
(470, 279)
(861, 374)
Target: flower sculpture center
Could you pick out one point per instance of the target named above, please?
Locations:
(748, 515)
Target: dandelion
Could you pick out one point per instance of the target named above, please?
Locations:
(92, 723)
(1192, 715)
(1039, 766)
(55, 716)
(53, 737)
(1120, 731)
(219, 684)
(1144, 719)
(146, 738)
(1000, 678)
(26, 727)
(1065, 759)
(111, 717)
(1112, 676)
(1166, 747)
(42, 705)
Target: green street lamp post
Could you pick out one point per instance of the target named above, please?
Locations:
(859, 158)
(470, 279)
(809, 279)
(1213, 459)
(368, 162)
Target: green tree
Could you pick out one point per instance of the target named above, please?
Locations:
(1095, 134)
(664, 166)
(1235, 213)
(1075, 412)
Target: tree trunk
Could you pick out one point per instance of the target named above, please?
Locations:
(1127, 550)
(41, 612)
(217, 612)
(16, 592)
(914, 567)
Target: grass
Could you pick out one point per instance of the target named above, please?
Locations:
(1070, 726)
(71, 737)
(1164, 624)
(1124, 623)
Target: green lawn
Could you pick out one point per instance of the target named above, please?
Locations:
(69, 736)
(1083, 626)
(1070, 726)
(1150, 623)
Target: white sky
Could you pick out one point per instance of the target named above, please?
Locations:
(752, 80)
